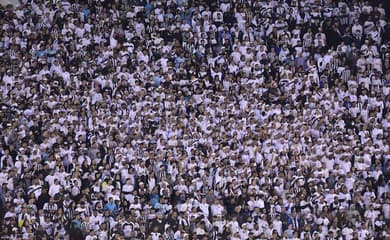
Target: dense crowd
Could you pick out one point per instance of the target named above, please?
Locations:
(195, 119)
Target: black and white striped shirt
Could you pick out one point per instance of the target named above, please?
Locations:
(114, 62)
(335, 63)
(50, 209)
(346, 74)
(307, 42)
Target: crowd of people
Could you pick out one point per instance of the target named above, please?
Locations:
(195, 119)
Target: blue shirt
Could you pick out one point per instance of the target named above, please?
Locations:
(77, 223)
(110, 206)
(154, 200)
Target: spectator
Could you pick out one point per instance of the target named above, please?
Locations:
(194, 119)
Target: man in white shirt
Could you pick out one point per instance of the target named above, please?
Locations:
(55, 188)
